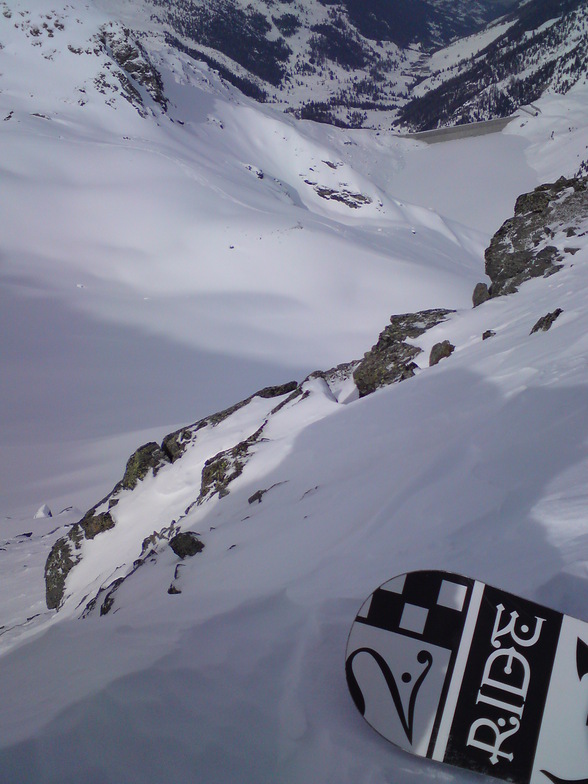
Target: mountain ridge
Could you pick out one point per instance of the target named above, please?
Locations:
(327, 62)
(161, 260)
(521, 250)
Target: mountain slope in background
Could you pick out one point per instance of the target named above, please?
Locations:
(170, 246)
(542, 47)
(322, 60)
(379, 64)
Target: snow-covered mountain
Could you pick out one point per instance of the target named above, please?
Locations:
(541, 47)
(169, 246)
(324, 60)
(378, 64)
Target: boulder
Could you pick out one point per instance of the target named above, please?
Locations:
(523, 246)
(546, 321)
(147, 457)
(440, 351)
(480, 295)
(186, 544)
(60, 562)
(391, 359)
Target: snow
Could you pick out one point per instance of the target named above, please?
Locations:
(464, 48)
(557, 137)
(151, 277)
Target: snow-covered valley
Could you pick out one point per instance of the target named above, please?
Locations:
(160, 266)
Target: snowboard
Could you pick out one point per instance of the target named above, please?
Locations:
(457, 671)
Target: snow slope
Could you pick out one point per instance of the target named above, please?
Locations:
(146, 249)
(151, 276)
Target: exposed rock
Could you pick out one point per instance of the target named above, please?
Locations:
(43, 511)
(343, 196)
(174, 444)
(151, 542)
(105, 597)
(481, 294)
(218, 473)
(522, 248)
(336, 376)
(259, 494)
(391, 359)
(132, 58)
(440, 351)
(64, 556)
(60, 562)
(108, 601)
(222, 469)
(93, 524)
(276, 391)
(546, 321)
(536, 201)
(186, 544)
(488, 334)
(149, 456)
(174, 588)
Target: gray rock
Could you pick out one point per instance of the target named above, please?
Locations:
(481, 294)
(147, 457)
(522, 249)
(488, 334)
(60, 562)
(391, 359)
(536, 201)
(276, 391)
(546, 321)
(440, 351)
(256, 497)
(132, 58)
(222, 469)
(186, 544)
(218, 473)
(93, 524)
(175, 444)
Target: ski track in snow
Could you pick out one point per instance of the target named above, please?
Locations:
(154, 273)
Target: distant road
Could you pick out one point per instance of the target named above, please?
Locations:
(460, 131)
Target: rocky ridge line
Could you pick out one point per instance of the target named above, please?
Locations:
(523, 248)
(519, 251)
(390, 360)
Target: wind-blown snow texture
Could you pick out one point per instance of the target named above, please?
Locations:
(157, 268)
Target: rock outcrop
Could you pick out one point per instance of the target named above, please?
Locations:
(524, 247)
(440, 351)
(391, 359)
(186, 544)
(534, 242)
(545, 322)
(137, 69)
(149, 458)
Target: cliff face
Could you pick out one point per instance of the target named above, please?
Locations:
(529, 245)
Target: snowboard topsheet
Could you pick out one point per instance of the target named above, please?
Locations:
(452, 669)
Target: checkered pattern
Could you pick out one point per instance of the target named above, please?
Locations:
(426, 605)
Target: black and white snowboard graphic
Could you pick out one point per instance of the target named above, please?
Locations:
(452, 669)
